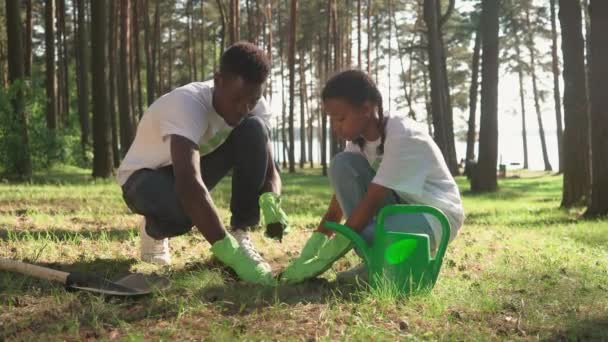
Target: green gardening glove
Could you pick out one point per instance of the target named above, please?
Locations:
(313, 245)
(300, 270)
(248, 269)
(274, 217)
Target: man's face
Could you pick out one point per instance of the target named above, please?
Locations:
(234, 98)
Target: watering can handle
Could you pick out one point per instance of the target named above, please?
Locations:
(352, 236)
(420, 209)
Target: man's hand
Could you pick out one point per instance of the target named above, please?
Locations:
(274, 217)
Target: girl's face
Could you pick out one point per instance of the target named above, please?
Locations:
(349, 122)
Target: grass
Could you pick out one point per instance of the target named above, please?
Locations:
(520, 269)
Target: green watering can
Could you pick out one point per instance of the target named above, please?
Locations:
(400, 259)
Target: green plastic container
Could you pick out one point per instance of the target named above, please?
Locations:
(402, 260)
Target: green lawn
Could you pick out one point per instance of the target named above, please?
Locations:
(520, 269)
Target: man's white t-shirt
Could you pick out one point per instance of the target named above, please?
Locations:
(412, 165)
(186, 111)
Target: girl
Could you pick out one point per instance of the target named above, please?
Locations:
(387, 160)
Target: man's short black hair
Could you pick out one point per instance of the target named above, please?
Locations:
(246, 60)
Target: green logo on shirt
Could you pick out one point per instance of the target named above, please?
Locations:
(214, 142)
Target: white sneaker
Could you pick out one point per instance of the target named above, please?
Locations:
(152, 250)
(242, 237)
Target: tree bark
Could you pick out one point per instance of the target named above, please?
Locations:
(220, 6)
(302, 112)
(203, 38)
(440, 97)
(576, 179)
(124, 95)
(292, 75)
(556, 93)
(369, 35)
(473, 91)
(598, 205)
(51, 85)
(149, 50)
(102, 153)
(64, 58)
(112, 82)
(532, 51)
(484, 175)
(522, 97)
(359, 34)
(28, 38)
(83, 77)
(20, 152)
(137, 59)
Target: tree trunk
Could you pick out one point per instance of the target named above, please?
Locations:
(576, 142)
(556, 93)
(102, 153)
(522, 97)
(20, 158)
(532, 51)
(203, 38)
(598, 205)
(440, 97)
(388, 53)
(28, 38)
(234, 22)
(283, 111)
(149, 50)
(64, 62)
(220, 6)
(359, 34)
(124, 95)
(369, 35)
(156, 55)
(473, 91)
(333, 140)
(137, 59)
(83, 77)
(484, 175)
(169, 83)
(302, 113)
(269, 45)
(292, 75)
(112, 82)
(51, 85)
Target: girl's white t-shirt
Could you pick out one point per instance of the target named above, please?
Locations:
(186, 111)
(412, 165)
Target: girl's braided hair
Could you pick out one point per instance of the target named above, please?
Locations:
(356, 87)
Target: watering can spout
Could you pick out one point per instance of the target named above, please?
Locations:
(353, 236)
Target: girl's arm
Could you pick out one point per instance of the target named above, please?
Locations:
(333, 213)
(367, 207)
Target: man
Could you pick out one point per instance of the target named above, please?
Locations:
(186, 142)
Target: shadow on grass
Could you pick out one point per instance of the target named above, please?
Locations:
(112, 234)
(595, 329)
(239, 298)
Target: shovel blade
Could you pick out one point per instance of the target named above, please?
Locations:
(135, 284)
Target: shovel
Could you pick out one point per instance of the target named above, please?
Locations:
(134, 284)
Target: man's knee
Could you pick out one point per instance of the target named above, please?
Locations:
(254, 128)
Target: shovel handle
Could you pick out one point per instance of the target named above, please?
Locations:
(33, 270)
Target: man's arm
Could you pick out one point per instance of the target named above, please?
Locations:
(191, 191)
